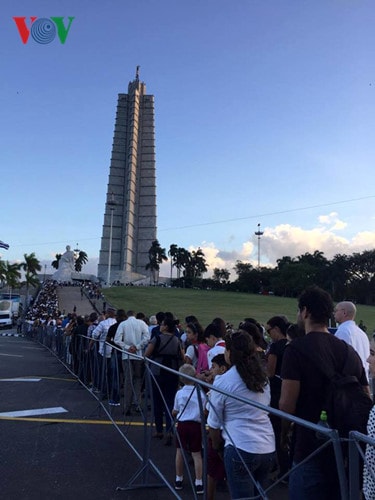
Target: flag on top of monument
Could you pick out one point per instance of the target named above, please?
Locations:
(4, 245)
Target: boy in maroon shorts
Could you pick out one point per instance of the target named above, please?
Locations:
(187, 409)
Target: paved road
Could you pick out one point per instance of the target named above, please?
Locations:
(75, 453)
(70, 297)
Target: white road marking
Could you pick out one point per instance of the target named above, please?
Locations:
(20, 379)
(30, 413)
(12, 355)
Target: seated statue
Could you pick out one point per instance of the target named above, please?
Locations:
(66, 266)
(67, 259)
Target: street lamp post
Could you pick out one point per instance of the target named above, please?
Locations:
(259, 233)
(111, 205)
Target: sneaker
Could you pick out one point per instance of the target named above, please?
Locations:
(285, 480)
(111, 402)
(178, 485)
(199, 489)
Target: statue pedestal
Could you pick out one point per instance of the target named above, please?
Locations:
(63, 275)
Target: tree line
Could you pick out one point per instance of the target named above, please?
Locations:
(350, 277)
(10, 274)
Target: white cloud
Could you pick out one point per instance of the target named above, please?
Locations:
(287, 240)
(290, 240)
(363, 241)
(327, 219)
(333, 221)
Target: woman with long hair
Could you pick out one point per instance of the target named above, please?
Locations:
(196, 352)
(249, 442)
(254, 330)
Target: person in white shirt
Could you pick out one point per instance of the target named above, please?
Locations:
(247, 431)
(348, 330)
(189, 408)
(104, 351)
(132, 336)
(215, 341)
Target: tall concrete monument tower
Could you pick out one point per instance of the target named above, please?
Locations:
(130, 211)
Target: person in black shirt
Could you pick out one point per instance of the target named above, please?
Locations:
(276, 328)
(302, 394)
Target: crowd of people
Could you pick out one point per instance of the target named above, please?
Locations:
(270, 365)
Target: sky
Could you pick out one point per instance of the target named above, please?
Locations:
(264, 114)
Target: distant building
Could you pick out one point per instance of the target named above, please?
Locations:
(131, 192)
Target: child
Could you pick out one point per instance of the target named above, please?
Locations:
(189, 431)
(215, 463)
(215, 341)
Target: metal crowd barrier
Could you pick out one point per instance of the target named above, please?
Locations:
(103, 376)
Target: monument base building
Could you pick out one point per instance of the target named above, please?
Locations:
(129, 226)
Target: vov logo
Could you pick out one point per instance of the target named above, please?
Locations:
(43, 29)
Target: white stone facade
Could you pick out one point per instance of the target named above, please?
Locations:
(132, 180)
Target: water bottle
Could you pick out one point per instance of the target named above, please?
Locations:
(323, 422)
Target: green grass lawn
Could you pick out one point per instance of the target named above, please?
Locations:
(206, 305)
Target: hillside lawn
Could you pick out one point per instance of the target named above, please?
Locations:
(206, 304)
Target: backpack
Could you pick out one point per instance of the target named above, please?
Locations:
(168, 360)
(202, 363)
(347, 404)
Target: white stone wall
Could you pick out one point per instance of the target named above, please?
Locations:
(132, 180)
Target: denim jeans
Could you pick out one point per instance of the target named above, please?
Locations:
(240, 483)
(316, 479)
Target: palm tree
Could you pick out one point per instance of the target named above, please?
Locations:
(156, 255)
(31, 266)
(55, 263)
(2, 271)
(173, 251)
(182, 260)
(80, 260)
(12, 274)
(199, 263)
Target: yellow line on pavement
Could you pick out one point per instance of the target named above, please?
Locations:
(59, 378)
(72, 421)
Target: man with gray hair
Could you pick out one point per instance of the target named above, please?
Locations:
(348, 330)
